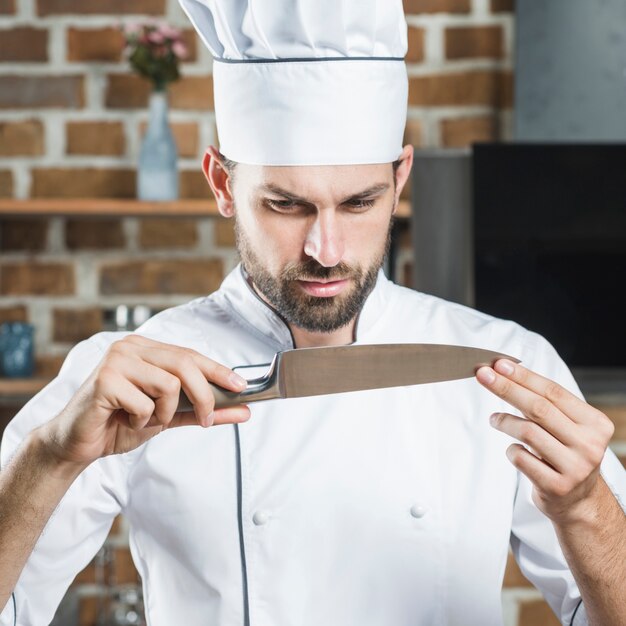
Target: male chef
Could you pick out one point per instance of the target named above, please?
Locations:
(374, 508)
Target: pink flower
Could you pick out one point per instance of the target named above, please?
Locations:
(170, 32)
(132, 29)
(179, 49)
(156, 36)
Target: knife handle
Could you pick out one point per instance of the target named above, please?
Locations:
(263, 388)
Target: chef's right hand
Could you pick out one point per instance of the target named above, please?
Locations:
(133, 395)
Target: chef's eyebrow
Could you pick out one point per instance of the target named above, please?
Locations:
(370, 192)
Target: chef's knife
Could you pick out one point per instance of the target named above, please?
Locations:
(321, 371)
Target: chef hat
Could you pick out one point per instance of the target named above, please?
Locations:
(306, 82)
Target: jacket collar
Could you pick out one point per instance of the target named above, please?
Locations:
(240, 299)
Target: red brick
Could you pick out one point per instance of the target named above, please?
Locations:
(95, 44)
(537, 613)
(167, 233)
(415, 52)
(7, 7)
(23, 234)
(88, 610)
(74, 325)
(86, 576)
(39, 279)
(109, 7)
(16, 313)
(413, 132)
(193, 184)
(23, 43)
(191, 40)
(107, 44)
(21, 138)
(116, 527)
(6, 184)
(407, 274)
(199, 277)
(83, 183)
(513, 576)
(618, 417)
(502, 6)
(474, 42)
(437, 6)
(36, 92)
(94, 234)
(125, 571)
(48, 365)
(462, 132)
(192, 92)
(506, 86)
(127, 91)
(479, 87)
(185, 135)
(224, 231)
(98, 138)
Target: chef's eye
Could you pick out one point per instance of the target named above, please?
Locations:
(281, 205)
(360, 204)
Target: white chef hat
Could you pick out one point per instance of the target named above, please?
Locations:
(306, 82)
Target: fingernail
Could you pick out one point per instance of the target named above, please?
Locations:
(238, 381)
(505, 367)
(486, 375)
(493, 419)
(208, 421)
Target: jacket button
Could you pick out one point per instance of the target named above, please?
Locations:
(260, 518)
(418, 510)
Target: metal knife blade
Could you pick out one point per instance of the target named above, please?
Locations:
(321, 371)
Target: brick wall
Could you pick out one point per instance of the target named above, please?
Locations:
(71, 121)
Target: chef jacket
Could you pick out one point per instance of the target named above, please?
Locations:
(373, 508)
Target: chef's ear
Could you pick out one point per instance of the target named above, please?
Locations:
(220, 181)
(402, 171)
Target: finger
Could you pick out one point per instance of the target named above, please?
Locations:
(532, 405)
(542, 443)
(190, 378)
(214, 371)
(138, 407)
(573, 407)
(160, 385)
(538, 472)
(232, 415)
(190, 367)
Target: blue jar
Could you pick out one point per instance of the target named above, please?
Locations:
(16, 349)
(157, 175)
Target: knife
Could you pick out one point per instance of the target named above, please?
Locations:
(321, 371)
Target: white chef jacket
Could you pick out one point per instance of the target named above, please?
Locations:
(374, 508)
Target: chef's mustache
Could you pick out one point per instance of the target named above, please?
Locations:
(311, 270)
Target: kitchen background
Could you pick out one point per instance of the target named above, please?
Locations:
(72, 117)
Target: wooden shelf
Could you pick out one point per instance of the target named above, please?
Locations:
(115, 207)
(106, 207)
(21, 387)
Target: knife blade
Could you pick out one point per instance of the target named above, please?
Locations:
(320, 371)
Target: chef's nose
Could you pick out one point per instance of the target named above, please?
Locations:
(324, 241)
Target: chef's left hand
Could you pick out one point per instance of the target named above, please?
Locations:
(565, 439)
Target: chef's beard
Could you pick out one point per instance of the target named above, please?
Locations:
(311, 313)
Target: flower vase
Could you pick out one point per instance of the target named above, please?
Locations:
(157, 177)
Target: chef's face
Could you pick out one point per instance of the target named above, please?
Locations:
(312, 238)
